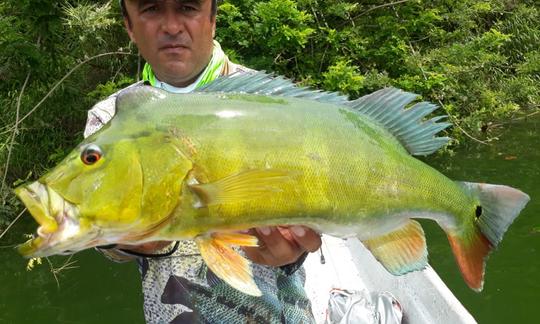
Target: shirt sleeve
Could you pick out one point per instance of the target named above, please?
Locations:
(100, 115)
(291, 268)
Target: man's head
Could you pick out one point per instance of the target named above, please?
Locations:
(174, 36)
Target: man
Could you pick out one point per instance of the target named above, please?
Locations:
(176, 40)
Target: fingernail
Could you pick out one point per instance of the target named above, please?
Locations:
(298, 231)
(265, 230)
(244, 231)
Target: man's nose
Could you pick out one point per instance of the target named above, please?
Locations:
(172, 21)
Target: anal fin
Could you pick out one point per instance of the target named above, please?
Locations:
(401, 251)
(226, 263)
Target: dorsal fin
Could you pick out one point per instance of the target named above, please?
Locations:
(137, 95)
(262, 83)
(388, 108)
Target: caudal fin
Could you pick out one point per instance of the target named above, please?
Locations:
(499, 206)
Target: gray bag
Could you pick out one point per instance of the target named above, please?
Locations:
(362, 307)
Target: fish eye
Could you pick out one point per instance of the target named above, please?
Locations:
(91, 154)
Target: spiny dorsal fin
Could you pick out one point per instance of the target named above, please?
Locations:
(387, 107)
(262, 83)
(136, 96)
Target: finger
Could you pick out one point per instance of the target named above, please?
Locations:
(306, 238)
(275, 249)
(283, 248)
(258, 254)
(254, 253)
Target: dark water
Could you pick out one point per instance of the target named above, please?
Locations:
(512, 282)
(98, 291)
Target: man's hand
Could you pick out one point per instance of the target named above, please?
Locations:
(281, 245)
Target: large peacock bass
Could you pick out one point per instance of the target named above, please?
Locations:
(255, 150)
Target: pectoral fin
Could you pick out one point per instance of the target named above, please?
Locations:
(226, 263)
(401, 251)
(242, 186)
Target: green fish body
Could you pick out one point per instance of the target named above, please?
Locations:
(252, 151)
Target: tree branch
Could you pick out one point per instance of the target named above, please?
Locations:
(14, 129)
(378, 7)
(66, 76)
(13, 134)
(11, 224)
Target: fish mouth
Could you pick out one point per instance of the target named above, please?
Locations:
(56, 216)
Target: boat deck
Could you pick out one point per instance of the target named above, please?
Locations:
(349, 265)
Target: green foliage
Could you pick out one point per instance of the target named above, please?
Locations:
(479, 59)
(44, 40)
(89, 22)
(264, 27)
(343, 77)
(110, 87)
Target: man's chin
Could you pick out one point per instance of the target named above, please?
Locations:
(178, 74)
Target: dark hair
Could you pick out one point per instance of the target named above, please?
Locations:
(125, 13)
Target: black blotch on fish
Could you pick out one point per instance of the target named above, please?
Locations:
(478, 211)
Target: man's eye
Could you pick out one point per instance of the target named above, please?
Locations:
(188, 8)
(151, 8)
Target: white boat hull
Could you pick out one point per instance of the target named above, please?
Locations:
(349, 265)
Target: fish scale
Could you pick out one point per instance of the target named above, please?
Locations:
(232, 144)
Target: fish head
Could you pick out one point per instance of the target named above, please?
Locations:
(110, 189)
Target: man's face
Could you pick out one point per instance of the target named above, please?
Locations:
(174, 36)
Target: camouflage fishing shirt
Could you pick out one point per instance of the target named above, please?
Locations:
(179, 288)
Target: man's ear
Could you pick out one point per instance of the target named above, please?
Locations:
(213, 26)
(129, 30)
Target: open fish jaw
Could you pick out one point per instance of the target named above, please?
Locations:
(57, 219)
